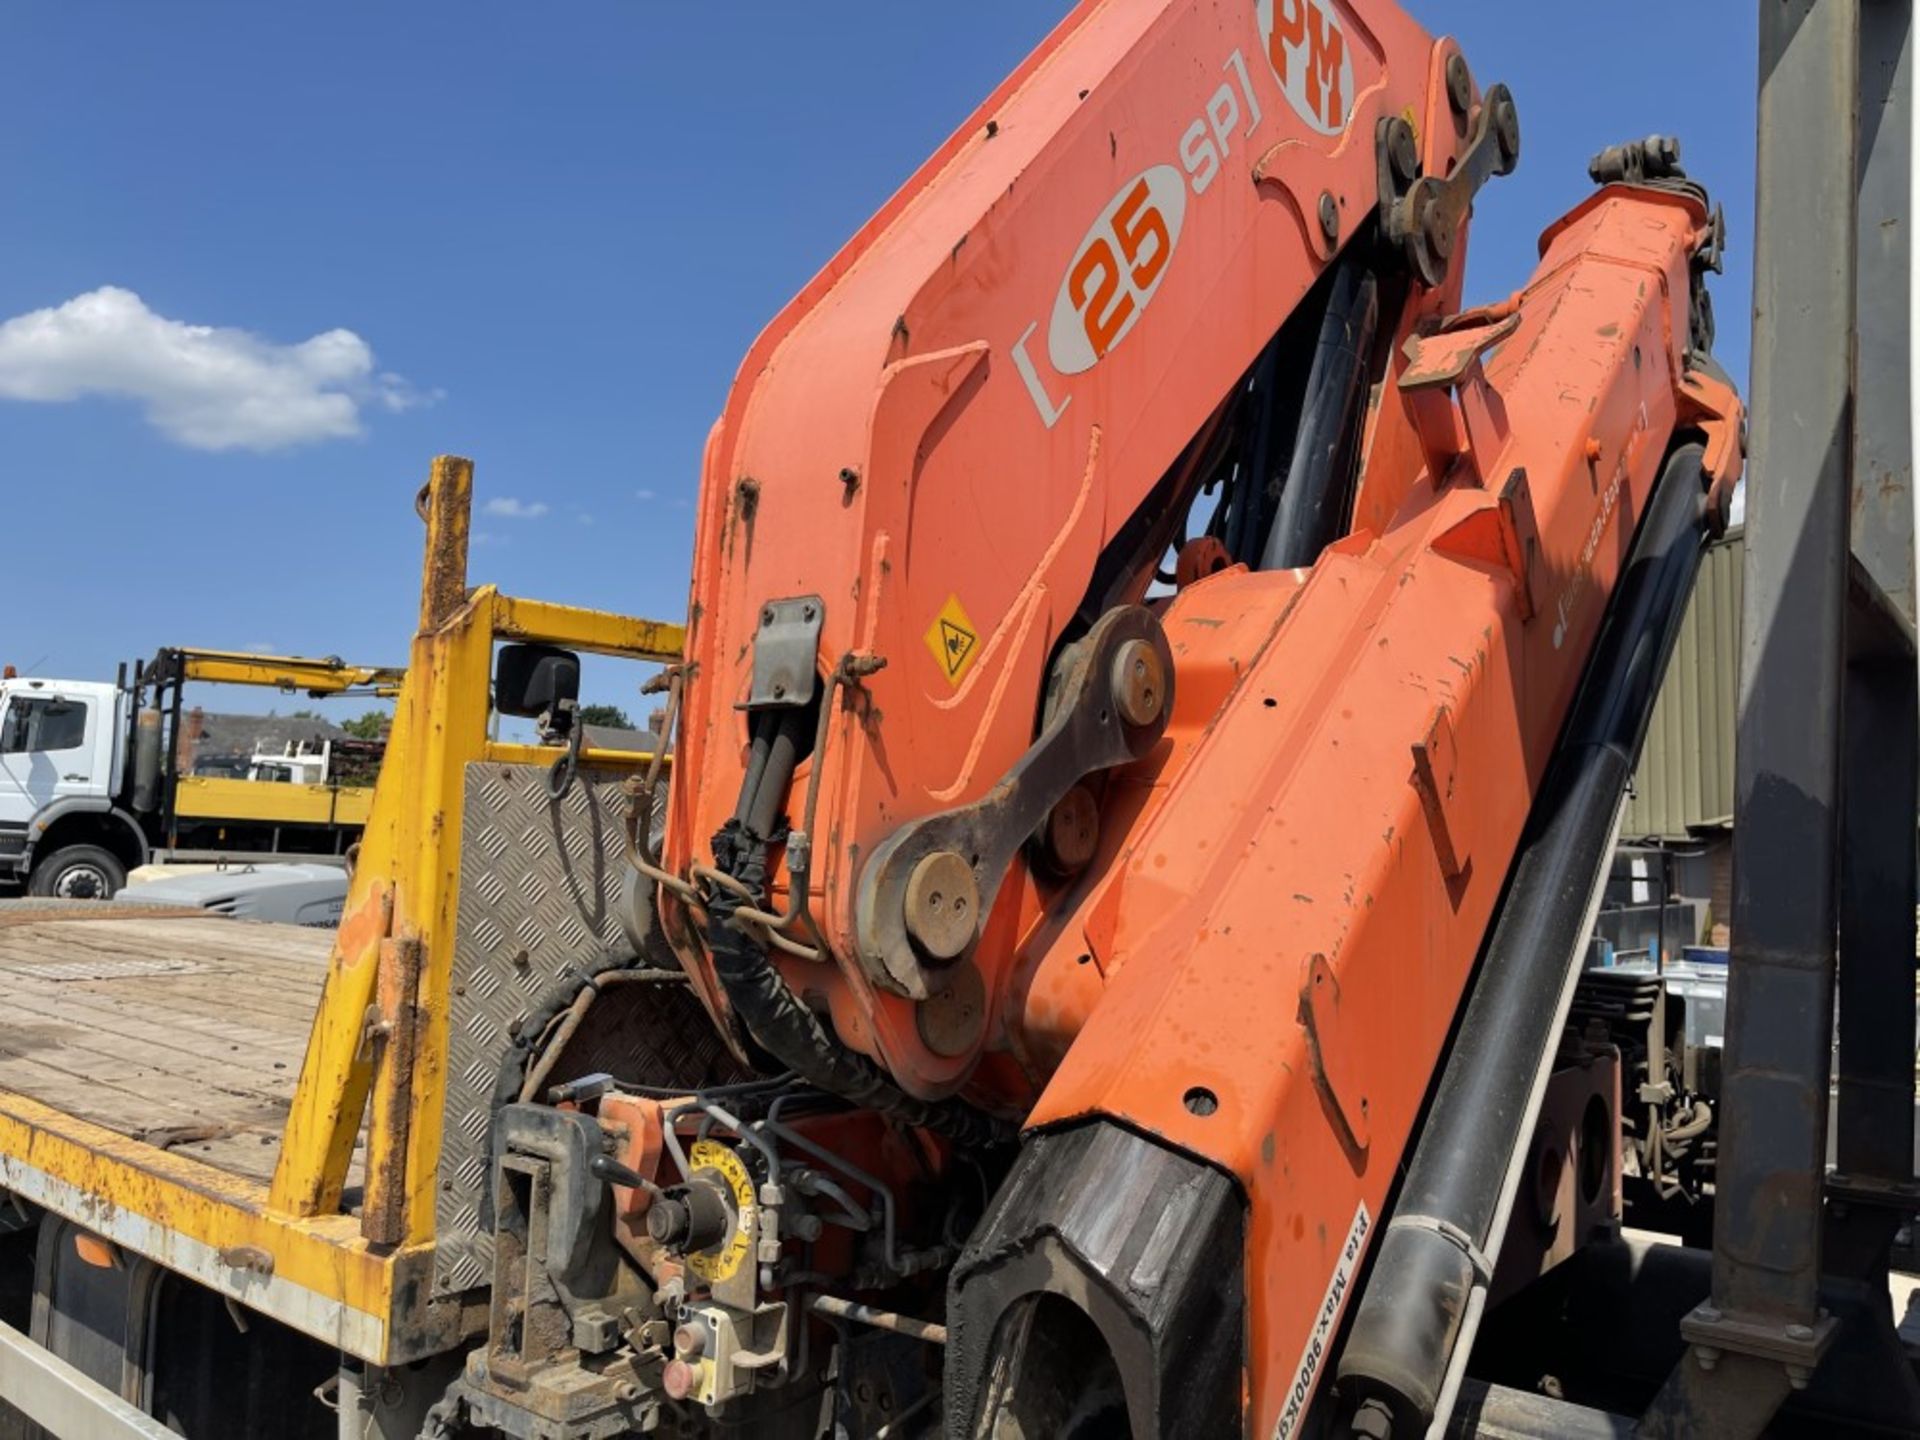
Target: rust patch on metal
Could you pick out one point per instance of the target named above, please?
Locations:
(396, 1032)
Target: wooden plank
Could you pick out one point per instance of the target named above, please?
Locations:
(197, 1039)
(128, 1112)
(203, 1061)
(200, 1096)
(213, 994)
(218, 996)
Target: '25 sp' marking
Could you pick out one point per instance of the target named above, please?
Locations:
(1120, 262)
(1105, 291)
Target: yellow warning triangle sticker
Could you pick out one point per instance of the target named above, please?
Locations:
(953, 641)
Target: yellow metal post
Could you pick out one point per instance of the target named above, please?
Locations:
(447, 506)
(403, 890)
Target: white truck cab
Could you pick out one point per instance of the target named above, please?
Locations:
(98, 779)
(299, 763)
(62, 759)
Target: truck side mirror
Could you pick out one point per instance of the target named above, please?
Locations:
(533, 680)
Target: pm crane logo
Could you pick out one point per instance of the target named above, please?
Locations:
(1310, 58)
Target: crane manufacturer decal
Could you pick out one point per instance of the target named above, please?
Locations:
(1120, 262)
(1308, 52)
(1105, 292)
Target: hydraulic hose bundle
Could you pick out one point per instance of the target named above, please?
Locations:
(773, 1015)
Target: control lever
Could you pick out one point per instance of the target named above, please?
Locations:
(605, 1167)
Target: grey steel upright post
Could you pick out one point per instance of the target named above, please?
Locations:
(1874, 1118)
(1871, 1191)
(1762, 1331)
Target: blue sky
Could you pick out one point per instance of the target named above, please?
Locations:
(553, 230)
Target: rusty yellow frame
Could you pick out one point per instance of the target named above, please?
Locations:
(378, 1048)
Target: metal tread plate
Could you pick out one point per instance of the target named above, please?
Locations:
(538, 897)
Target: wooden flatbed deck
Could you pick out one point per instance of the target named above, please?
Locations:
(177, 1028)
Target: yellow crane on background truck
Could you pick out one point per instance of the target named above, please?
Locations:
(98, 779)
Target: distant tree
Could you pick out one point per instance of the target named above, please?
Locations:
(306, 715)
(608, 717)
(370, 726)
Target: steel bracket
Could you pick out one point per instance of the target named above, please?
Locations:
(1798, 1347)
(784, 675)
(1874, 1190)
(1425, 222)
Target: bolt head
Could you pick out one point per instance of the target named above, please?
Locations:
(1459, 84)
(1402, 153)
(1139, 683)
(1073, 831)
(1372, 1421)
(943, 905)
(1329, 217)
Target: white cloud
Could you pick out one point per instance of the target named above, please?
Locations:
(643, 495)
(208, 388)
(508, 508)
(262, 647)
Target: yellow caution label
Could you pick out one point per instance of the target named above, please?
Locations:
(953, 641)
(723, 1260)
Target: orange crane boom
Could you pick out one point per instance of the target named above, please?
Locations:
(1134, 613)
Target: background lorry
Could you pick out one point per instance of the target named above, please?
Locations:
(97, 779)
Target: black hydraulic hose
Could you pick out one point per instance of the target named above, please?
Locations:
(1256, 469)
(782, 1026)
(1421, 1305)
(756, 767)
(1313, 502)
(793, 730)
(794, 1036)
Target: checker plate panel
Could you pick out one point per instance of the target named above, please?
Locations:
(536, 899)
